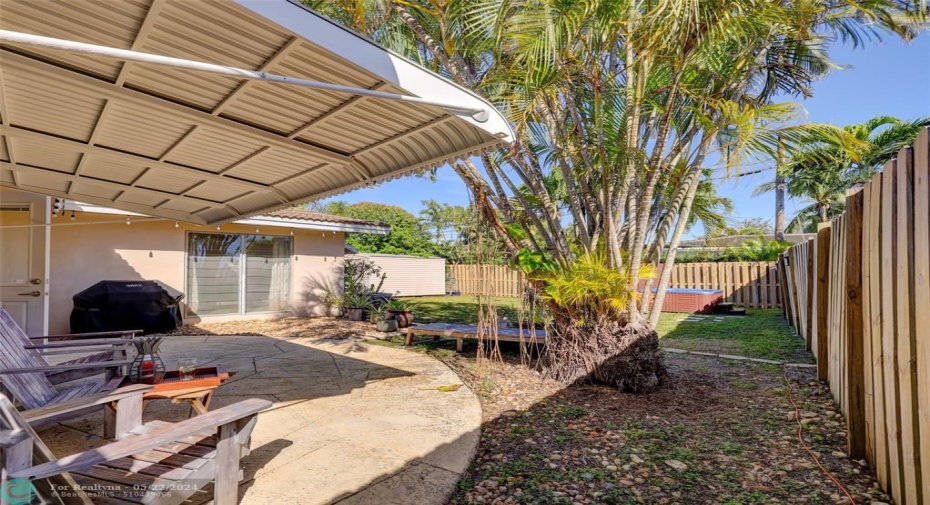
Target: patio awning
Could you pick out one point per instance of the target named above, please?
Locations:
(209, 148)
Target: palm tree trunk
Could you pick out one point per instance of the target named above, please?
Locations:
(459, 75)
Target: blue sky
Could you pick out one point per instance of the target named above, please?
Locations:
(892, 78)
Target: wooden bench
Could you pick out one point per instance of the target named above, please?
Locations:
(462, 331)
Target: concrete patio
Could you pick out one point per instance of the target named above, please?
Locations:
(352, 423)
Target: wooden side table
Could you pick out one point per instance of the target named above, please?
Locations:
(198, 392)
(198, 397)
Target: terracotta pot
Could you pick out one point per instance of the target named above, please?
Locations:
(404, 318)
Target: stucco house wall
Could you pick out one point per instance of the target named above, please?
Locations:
(84, 254)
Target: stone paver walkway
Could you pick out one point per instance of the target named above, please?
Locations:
(352, 423)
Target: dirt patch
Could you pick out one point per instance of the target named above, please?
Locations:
(722, 432)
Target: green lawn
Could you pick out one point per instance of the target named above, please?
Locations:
(456, 309)
(763, 333)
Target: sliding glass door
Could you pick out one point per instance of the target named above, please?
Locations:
(267, 273)
(238, 274)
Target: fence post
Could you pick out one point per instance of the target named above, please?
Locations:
(855, 373)
(822, 300)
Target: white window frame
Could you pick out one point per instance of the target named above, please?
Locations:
(242, 271)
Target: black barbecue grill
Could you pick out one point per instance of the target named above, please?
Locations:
(125, 305)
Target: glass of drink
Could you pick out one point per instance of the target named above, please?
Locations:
(186, 367)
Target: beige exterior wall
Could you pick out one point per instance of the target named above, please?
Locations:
(410, 275)
(83, 254)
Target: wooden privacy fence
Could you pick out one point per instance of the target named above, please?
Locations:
(492, 280)
(860, 295)
(751, 284)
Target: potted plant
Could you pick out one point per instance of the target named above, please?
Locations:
(355, 305)
(357, 291)
(383, 323)
(334, 302)
(399, 311)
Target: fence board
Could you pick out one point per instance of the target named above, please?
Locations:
(873, 321)
(855, 376)
(904, 324)
(889, 346)
(783, 286)
(793, 288)
(921, 275)
(869, 209)
(821, 298)
(809, 293)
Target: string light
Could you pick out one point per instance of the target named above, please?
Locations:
(292, 232)
(217, 228)
(72, 215)
(177, 224)
(256, 229)
(128, 222)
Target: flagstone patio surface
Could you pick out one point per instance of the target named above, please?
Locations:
(352, 423)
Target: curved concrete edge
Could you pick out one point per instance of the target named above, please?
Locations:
(433, 478)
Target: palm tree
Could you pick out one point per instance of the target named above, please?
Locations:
(606, 97)
(709, 208)
(824, 172)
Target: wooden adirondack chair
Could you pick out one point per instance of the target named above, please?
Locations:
(23, 374)
(97, 347)
(157, 463)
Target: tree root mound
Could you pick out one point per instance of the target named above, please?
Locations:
(626, 357)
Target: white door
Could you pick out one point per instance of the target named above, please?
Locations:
(23, 243)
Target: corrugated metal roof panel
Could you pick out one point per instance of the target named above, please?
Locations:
(186, 206)
(217, 192)
(70, 113)
(33, 181)
(78, 21)
(146, 199)
(210, 149)
(32, 152)
(200, 138)
(87, 187)
(102, 166)
(149, 135)
(170, 182)
(282, 108)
